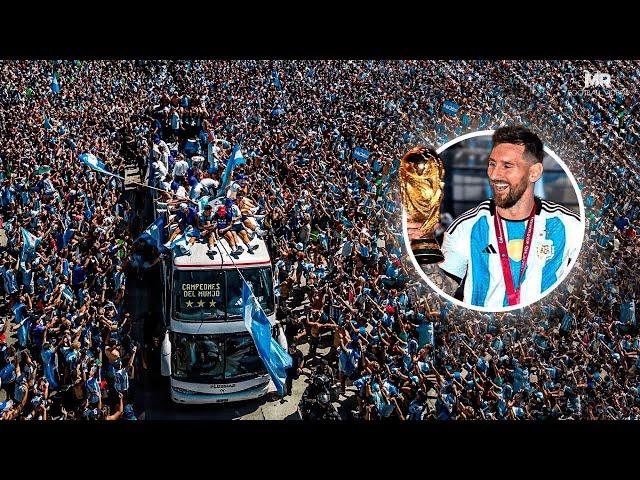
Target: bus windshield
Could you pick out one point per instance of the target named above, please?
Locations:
(216, 295)
(260, 281)
(215, 358)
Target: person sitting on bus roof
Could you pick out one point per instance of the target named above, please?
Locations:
(240, 183)
(206, 225)
(186, 216)
(247, 207)
(223, 229)
(237, 226)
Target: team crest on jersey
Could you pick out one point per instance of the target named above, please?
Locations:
(544, 250)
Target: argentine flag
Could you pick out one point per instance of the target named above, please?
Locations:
(180, 245)
(29, 244)
(276, 79)
(55, 86)
(154, 234)
(67, 293)
(273, 355)
(22, 318)
(202, 202)
(93, 162)
(29, 240)
(235, 158)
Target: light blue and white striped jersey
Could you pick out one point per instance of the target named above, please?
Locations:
(470, 248)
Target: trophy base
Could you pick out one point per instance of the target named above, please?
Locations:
(426, 251)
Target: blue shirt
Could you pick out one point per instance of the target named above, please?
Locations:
(188, 218)
(79, 275)
(425, 334)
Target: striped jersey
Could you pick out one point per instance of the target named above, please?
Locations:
(470, 249)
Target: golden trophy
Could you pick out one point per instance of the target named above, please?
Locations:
(421, 183)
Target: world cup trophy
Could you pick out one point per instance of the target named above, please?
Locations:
(421, 184)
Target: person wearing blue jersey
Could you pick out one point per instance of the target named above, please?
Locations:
(513, 247)
(206, 225)
(223, 225)
(186, 217)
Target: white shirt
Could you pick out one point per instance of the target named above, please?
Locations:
(180, 168)
(181, 192)
(235, 211)
(159, 169)
(232, 190)
(470, 248)
(213, 154)
(210, 185)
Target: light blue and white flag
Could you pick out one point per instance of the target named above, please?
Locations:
(180, 245)
(202, 202)
(276, 79)
(93, 162)
(235, 158)
(29, 244)
(67, 293)
(55, 86)
(154, 234)
(20, 311)
(275, 358)
(29, 240)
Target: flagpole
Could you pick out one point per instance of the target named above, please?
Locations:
(142, 184)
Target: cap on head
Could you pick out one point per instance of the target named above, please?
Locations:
(184, 206)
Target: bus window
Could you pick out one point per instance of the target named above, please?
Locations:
(198, 358)
(213, 358)
(261, 283)
(242, 357)
(198, 295)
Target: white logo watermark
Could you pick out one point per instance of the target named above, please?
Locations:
(598, 79)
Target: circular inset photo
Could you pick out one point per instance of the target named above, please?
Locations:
(493, 220)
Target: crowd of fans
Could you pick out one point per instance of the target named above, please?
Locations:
(331, 217)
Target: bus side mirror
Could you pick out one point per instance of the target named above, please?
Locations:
(165, 356)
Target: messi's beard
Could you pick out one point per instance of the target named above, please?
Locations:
(514, 195)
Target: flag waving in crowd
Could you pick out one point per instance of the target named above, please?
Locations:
(93, 162)
(55, 85)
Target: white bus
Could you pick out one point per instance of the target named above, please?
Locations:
(207, 352)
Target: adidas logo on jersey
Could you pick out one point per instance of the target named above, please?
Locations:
(489, 249)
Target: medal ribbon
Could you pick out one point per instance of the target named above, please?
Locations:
(513, 295)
